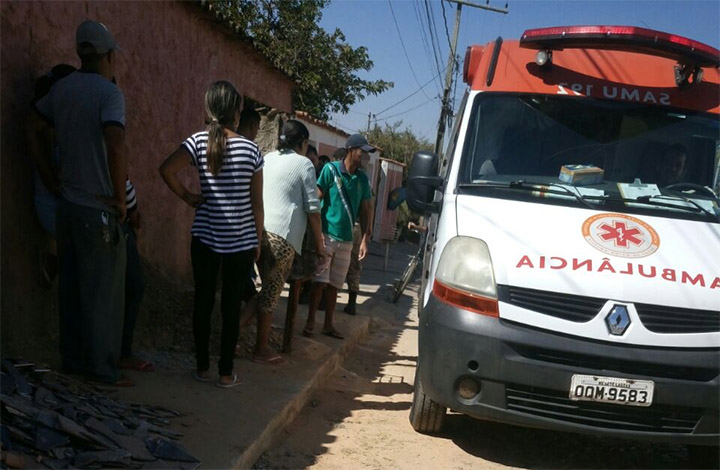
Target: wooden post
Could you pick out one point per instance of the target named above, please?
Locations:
(444, 107)
(387, 252)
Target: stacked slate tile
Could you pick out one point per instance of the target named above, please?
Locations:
(50, 420)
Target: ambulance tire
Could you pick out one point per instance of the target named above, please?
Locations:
(426, 416)
(704, 456)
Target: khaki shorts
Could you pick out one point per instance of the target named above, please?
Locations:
(338, 260)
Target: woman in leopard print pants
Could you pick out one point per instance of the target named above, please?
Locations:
(291, 201)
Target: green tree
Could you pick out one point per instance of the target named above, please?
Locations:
(398, 143)
(323, 64)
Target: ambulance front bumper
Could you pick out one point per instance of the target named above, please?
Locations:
(523, 376)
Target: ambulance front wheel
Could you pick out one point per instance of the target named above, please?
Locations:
(426, 416)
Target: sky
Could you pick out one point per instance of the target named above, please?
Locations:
(385, 26)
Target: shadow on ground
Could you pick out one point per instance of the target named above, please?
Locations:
(516, 446)
(341, 427)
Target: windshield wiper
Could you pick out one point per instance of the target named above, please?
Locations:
(646, 199)
(653, 201)
(523, 185)
(531, 186)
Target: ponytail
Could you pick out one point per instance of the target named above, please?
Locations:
(216, 146)
(222, 102)
(293, 134)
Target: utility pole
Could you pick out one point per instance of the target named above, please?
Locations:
(368, 128)
(444, 111)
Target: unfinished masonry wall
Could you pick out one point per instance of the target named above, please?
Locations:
(171, 52)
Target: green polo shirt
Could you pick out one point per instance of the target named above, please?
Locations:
(335, 221)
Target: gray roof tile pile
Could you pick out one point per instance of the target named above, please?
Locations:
(50, 420)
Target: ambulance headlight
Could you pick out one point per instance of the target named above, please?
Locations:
(465, 277)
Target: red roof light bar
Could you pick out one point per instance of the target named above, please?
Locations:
(625, 38)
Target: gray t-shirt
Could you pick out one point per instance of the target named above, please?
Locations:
(80, 106)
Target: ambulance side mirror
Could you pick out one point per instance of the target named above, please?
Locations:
(422, 182)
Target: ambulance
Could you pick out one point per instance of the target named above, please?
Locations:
(571, 276)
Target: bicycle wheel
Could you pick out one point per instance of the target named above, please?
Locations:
(405, 279)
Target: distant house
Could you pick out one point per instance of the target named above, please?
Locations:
(384, 174)
(171, 52)
(325, 137)
(328, 138)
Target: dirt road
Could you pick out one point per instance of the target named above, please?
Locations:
(359, 420)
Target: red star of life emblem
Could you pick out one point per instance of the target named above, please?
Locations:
(620, 234)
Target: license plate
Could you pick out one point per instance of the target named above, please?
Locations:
(612, 390)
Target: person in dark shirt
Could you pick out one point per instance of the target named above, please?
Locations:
(87, 112)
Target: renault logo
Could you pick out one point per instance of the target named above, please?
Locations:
(618, 320)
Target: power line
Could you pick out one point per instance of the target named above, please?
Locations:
(423, 36)
(454, 94)
(411, 94)
(445, 107)
(454, 63)
(404, 49)
(502, 21)
(433, 34)
(447, 32)
(432, 40)
(337, 123)
(407, 110)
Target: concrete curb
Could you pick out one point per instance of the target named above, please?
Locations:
(276, 425)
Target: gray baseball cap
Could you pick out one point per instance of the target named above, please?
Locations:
(92, 37)
(357, 140)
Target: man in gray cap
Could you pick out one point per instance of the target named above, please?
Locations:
(345, 194)
(87, 111)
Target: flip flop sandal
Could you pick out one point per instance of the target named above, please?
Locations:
(234, 383)
(201, 378)
(276, 360)
(333, 334)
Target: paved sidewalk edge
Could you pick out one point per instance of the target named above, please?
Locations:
(276, 425)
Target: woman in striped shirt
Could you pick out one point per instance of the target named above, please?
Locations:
(228, 221)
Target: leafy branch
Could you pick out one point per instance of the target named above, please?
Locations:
(323, 65)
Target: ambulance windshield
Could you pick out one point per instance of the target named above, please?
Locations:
(601, 150)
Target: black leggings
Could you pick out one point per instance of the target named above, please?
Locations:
(236, 269)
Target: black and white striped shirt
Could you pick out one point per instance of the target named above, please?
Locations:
(225, 221)
(130, 198)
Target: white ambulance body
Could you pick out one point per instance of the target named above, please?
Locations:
(572, 269)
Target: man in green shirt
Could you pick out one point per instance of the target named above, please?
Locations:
(345, 193)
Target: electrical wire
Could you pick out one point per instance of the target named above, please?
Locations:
(447, 32)
(423, 36)
(411, 94)
(434, 52)
(337, 123)
(402, 43)
(454, 66)
(454, 93)
(433, 34)
(502, 21)
(406, 111)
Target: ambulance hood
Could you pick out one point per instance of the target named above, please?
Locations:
(625, 257)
